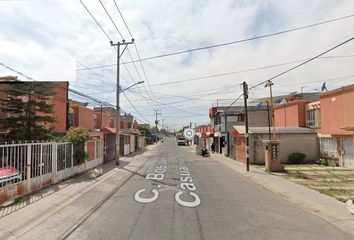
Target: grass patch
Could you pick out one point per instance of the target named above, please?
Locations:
(336, 192)
(18, 200)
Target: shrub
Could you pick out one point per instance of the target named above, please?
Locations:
(77, 135)
(296, 158)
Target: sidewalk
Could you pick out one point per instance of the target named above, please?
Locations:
(321, 205)
(53, 210)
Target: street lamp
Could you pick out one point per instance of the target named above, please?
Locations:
(118, 120)
(131, 86)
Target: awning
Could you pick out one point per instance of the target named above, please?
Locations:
(217, 134)
(235, 133)
(348, 128)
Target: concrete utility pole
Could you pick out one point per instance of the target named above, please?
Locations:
(269, 132)
(125, 44)
(245, 97)
(270, 84)
(156, 122)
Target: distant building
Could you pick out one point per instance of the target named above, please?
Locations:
(223, 119)
(331, 115)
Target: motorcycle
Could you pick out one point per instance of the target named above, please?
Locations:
(205, 152)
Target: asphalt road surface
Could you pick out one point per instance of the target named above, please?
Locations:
(179, 195)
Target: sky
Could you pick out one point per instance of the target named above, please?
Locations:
(58, 40)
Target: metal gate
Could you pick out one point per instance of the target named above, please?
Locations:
(348, 153)
(64, 159)
(109, 147)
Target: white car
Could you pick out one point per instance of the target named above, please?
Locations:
(182, 141)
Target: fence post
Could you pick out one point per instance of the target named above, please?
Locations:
(95, 149)
(54, 162)
(41, 164)
(72, 155)
(28, 167)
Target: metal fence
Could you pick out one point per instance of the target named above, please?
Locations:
(29, 166)
(20, 162)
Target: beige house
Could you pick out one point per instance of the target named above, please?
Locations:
(296, 139)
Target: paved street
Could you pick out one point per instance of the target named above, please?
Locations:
(230, 207)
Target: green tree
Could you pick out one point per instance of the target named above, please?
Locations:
(78, 136)
(28, 110)
(145, 130)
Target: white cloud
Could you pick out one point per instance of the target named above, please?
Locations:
(45, 38)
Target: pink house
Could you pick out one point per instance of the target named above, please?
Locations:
(337, 125)
(290, 114)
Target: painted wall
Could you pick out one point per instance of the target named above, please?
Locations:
(337, 111)
(59, 102)
(292, 114)
(307, 144)
(83, 117)
(103, 119)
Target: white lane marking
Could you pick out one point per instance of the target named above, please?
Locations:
(140, 199)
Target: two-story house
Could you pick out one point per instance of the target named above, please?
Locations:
(223, 119)
(59, 101)
(337, 125)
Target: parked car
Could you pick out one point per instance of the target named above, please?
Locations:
(9, 174)
(182, 141)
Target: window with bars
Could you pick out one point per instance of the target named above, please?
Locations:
(328, 146)
(311, 118)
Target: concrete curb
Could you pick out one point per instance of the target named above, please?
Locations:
(323, 206)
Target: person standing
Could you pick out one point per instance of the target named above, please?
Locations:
(212, 148)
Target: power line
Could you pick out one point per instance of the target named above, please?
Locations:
(295, 67)
(95, 20)
(232, 42)
(111, 19)
(99, 23)
(136, 49)
(18, 72)
(241, 71)
(69, 89)
(121, 15)
(121, 37)
(303, 63)
(136, 110)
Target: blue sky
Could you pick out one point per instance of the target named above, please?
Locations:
(51, 39)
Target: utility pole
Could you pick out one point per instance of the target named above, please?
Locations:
(270, 84)
(269, 133)
(156, 122)
(125, 44)
(245, 97)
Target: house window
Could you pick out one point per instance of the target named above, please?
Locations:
(328, 147)
(71, 120)
(216, 120)
(95, 122)
(240, 118)
(310, 118)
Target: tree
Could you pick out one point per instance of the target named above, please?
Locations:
(145, 130)
(28, 110)
(78, 136)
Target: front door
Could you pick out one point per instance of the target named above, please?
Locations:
(347, 152)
